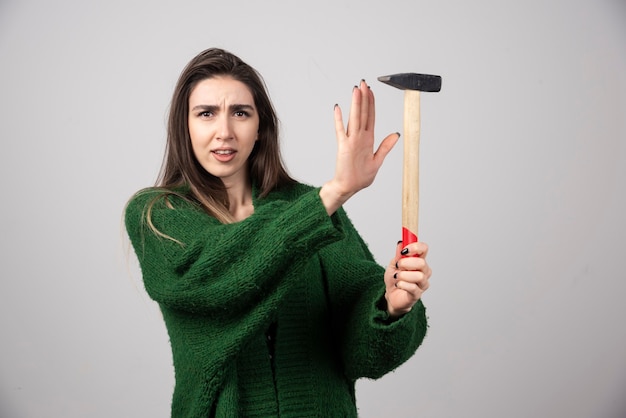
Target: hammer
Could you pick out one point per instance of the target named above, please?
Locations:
(412, 84)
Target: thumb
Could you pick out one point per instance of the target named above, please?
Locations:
(385, 147)
(395, 259)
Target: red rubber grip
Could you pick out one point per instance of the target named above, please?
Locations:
(408, 237)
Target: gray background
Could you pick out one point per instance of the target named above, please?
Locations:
(523, 195)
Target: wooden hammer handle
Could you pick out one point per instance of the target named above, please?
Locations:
(410, 168)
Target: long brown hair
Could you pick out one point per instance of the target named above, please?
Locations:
(180, 166)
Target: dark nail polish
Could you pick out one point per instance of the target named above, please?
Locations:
(395, 276)
(404, 251)
(398, 133)
(396, 264)
(335, 106)
(399, 242)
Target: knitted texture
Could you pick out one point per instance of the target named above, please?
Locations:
(221, 287)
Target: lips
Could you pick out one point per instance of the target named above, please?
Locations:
(224, 155)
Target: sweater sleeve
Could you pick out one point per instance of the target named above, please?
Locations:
(198, 265)
(371, 344)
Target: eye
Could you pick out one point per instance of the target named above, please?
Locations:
(241, 113)
(205, 114)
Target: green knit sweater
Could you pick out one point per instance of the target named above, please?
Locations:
(276, 315)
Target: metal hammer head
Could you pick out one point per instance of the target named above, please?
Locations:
(413, 81)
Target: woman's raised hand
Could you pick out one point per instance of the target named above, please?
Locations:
(357, 163)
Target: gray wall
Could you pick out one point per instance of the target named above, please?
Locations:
(523, 194)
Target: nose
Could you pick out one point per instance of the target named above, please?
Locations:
(224, 128)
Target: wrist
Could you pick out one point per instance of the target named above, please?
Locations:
(394, 313)
(333, 196)
(388, 314)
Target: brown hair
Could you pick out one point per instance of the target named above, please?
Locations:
(180, 166)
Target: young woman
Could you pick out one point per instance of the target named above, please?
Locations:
(273, 303)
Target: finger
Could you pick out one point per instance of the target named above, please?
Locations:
(414, 269)
(340, 131)
(372, 110)
(385, 148)
(398, 249)
(423, 284)
(422, 249)
(354, 120)
(410, 264)
(421, 280)
(419, 249)
(365, 104)
(411, 288)
(413, 276)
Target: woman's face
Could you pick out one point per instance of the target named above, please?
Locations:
(223, 125)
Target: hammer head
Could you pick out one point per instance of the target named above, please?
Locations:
(413, 81)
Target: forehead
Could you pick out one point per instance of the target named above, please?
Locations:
(220, 89)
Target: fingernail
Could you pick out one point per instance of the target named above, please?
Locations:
(335, 106)
(404, 251)
(399, 242)
(395, 276)
(398, 133)
(396, 264)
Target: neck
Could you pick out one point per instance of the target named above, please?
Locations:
(240, 200)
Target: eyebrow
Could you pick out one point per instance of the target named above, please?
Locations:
(232, 107)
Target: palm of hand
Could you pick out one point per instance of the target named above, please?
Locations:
(357, 163)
